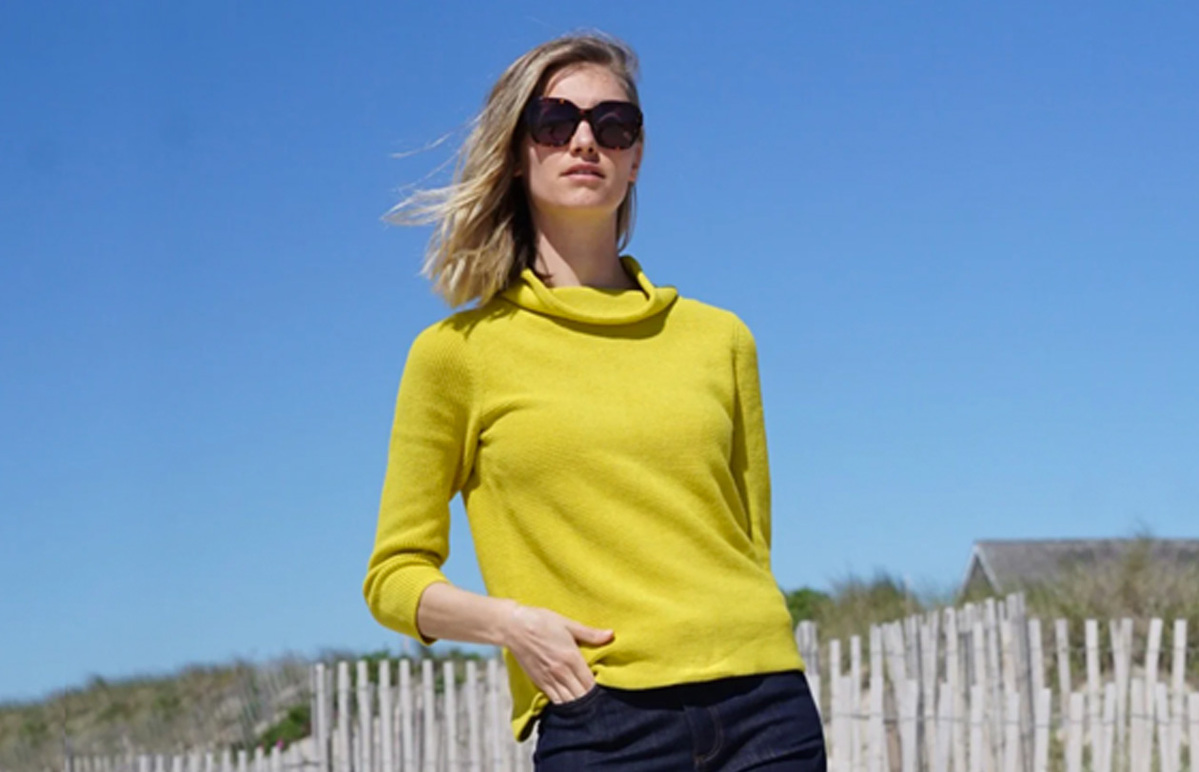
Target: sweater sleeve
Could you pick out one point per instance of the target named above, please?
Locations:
(751, 468)
(429, 459)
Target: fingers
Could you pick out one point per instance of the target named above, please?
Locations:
(574, 685)
(544, 643)
(571, 683)
(591, 635)
(557, 693)
(566, 678)
(562, 681)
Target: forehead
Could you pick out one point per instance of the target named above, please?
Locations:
(585, 85)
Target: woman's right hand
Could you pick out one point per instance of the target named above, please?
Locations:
(546, 645)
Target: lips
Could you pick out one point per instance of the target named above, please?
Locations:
(584, 170)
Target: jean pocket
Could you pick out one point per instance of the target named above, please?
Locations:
(578, 704)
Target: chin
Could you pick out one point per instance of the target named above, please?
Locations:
(582, 201)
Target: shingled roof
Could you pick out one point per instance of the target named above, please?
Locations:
(1002, 566)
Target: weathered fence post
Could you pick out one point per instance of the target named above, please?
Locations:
(1074, 734)
(977, 717)
(407, 717)
(363, 760)
(492, 726)
(855, 703)
(450, 687)
(1107, 748)
(944, 730)
(838, 722)
(1040, 762)
(1091, 633)
(429, 716)
(1061, 630)
(1138, 749)
(344, 760)
(1178, 692)
(874, 721)
(1012, 757)
(474, 744)
(386, 718)
(320, 717)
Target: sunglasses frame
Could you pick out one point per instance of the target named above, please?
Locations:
(536, 105)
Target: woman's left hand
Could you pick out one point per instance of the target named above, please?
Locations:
(546, 645)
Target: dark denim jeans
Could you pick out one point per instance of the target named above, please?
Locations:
(762, 722)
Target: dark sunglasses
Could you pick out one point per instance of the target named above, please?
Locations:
(552, 122)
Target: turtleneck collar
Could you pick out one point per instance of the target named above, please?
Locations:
(593, 305)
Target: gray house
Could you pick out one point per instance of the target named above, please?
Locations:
(1002, 566)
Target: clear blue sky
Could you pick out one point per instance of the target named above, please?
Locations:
(965, 235)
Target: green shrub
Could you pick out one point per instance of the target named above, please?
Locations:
(296, 725)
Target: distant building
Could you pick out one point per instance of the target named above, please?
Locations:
(998, 567)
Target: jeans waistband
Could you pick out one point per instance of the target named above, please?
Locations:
(697, 692)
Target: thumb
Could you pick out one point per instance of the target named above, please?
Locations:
(585, 634)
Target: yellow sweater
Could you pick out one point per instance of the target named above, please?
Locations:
(610, 451)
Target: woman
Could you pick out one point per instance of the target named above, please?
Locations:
(607, 438)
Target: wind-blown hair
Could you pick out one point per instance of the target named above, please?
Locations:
(484, 230)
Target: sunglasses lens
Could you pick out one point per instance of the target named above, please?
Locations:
(617, 124)
(553, 123)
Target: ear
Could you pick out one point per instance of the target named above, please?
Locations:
(636, 162)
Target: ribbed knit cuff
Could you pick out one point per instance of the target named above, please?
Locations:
(400, 598)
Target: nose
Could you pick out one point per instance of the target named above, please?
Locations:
(583, 140)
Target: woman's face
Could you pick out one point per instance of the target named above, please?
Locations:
(582, 178)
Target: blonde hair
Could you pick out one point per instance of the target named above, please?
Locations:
(484, 231)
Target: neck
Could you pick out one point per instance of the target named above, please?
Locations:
(580, 253)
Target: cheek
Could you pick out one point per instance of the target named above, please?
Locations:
(537, 183)
(534, 171)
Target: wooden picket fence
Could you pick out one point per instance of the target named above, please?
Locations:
(970, 689)
(414, 726)
(408, 718)
(964, 690)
